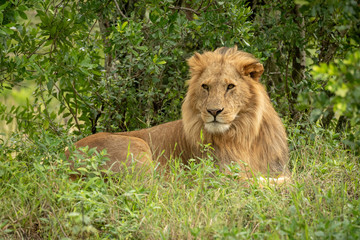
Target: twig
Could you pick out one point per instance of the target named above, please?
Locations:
(61, 227)
(87, 38)
(70, 109)
(51, 123)
(209, 4)
(77, 94)
(185, 9)
(119, 10)
(76, 102)
(40, 44)
(202, 1)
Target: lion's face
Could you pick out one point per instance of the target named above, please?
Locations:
(222, 94)
(220, 89)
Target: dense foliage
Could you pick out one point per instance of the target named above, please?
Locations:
(117, 68)
(119, 65)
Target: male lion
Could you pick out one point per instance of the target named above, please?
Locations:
(226, 102)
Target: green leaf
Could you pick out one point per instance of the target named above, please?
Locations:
(123, 26)
(7, 30)
(339, 109)
(82, 169)
(342, 91)
(2, 7)
(96, 72)
(66, 115)
(315, 115)
(23, 15)
(155, 58)
(46, 124)
(50, 85)
(153, 16)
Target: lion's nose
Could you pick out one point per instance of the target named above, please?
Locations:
(215, 112)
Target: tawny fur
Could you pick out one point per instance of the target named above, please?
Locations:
(247, 129)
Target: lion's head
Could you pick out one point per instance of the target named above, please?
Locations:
(221, 91)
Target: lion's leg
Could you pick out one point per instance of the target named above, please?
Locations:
(262, 181)
(281, 180)
(121, 150)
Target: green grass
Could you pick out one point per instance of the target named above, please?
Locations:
(38, 201)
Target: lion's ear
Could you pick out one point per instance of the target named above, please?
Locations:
(253, 70)
(197, 64)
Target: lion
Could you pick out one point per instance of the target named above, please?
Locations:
(225, 106)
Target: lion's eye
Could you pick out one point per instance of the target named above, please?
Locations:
(230, 86)
(204, 86)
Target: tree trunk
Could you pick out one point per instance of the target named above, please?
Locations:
(104, 25)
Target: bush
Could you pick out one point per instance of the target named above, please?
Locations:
(341, 81)
(112, 66)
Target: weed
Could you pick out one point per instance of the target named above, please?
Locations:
(197, 201)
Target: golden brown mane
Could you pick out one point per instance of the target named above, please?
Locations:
(257, 137)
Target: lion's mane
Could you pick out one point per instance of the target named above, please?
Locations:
(256, 138)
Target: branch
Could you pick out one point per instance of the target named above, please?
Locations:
(185, 9)
(70, 109)
(87, 38)
(77, 94)
(47, 115)
(202, 1)
(40, 44)
(119, 10)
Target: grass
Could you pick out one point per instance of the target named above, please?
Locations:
(38, 201)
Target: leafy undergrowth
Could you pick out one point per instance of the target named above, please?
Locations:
(38, 201)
